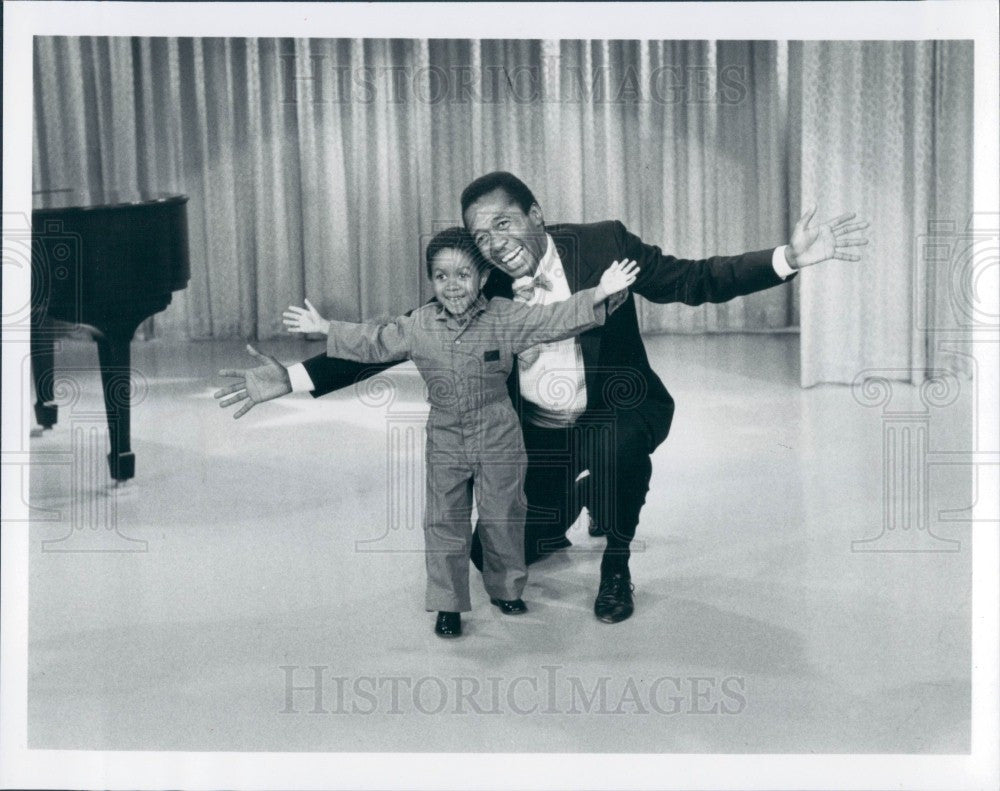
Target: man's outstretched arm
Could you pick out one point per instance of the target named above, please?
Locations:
(320, 375)
(270, 380)
(252, 386)
(721, 278)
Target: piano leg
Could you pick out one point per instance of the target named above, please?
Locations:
(42, 365)
(114, 353)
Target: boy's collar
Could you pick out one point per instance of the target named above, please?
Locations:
(478, 306)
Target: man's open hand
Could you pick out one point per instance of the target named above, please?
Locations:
(267, 381)
(813, 244)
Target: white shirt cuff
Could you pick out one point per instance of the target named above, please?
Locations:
(781, 267)
(300, 379)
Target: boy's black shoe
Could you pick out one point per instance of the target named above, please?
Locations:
(510, 606)
(449, 624)
(614, 598)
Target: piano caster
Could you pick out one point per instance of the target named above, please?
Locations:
(46, 415)
(122, 466)
(122, 489)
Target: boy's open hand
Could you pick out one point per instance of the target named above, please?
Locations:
(617, 277)
(305, 319)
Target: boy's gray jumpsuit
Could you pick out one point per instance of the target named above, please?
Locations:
(473, 434)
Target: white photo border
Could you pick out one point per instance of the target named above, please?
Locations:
(23, 768)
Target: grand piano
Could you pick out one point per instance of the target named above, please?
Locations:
(107, 260)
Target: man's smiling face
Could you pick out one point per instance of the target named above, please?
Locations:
(510, 239)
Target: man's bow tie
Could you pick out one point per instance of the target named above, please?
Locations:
(526, 291)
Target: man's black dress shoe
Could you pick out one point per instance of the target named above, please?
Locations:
(449, 624)
(614, 598)
(510, 606)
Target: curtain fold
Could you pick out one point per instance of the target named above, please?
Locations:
(883, 133)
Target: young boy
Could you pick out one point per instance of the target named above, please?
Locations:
(464, 347)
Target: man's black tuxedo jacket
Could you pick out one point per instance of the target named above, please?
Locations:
(617, 371)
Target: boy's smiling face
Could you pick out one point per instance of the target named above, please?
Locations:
(456, 280)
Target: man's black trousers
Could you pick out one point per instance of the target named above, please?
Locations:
(614, 446)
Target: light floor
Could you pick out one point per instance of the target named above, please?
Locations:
(289, 541)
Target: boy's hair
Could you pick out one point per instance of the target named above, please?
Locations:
(511, 184)
(454, 238)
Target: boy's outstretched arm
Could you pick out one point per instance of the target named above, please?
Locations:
(327, 373)
(531, 325)
(364, 342)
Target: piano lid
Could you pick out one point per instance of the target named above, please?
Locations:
(91, 200)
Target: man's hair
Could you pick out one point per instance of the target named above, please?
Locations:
(454, 239)
(498, 179)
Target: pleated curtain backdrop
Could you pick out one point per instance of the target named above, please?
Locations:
(319, 168)
(886, 127)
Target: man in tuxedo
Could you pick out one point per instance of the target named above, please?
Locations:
(591, 407)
